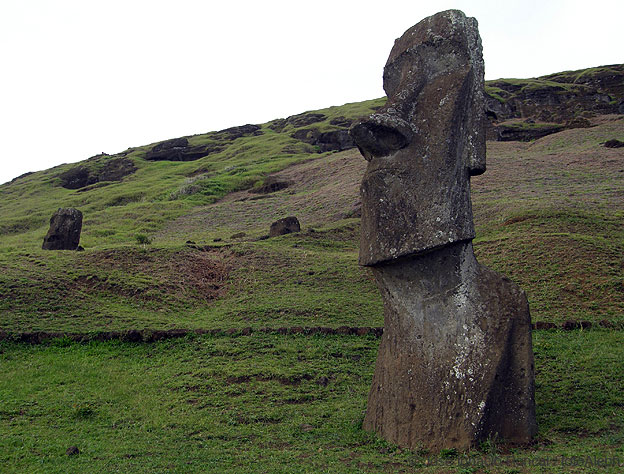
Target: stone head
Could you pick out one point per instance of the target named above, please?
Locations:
(424, 145)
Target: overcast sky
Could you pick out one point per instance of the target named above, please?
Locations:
(80, 77)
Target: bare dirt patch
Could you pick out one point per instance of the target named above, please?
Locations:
(322, 191)
(174, 272)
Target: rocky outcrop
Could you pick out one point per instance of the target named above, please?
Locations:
(525, 132)
(455, 363)
(114, 169)
(287, 225)
(64, 233)
(560, 98)
(233, 133)
(178, 149)
(76, 178)
(337, 140)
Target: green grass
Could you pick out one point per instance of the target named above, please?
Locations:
(157, 192)
(270, 403)
(548, 214)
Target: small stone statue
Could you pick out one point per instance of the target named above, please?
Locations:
(455, 364)
(65, 227)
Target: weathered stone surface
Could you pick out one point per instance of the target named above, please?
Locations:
(558, 97)
(308, 118)
(455, 362)
(427, 139)
(515, 132)
(233, 133)
(114, 169)
(287, 225)
(178, 149)
(64, 233)
(614, 143)
(338, 140)
(76, 178)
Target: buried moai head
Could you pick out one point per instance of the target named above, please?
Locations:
(424, 145)
(64, 232)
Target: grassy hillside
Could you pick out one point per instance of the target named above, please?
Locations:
(548, 214)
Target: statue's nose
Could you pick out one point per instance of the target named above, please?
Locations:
(381, 135)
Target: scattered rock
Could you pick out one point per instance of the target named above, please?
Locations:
(116, 169)
(305, 119)
(233, 133)
(527, 132)
(64, 233)
(278, 125)
(341, 122)
(569, 325)
(614, 143)
(287, 225)
(76, 178)
(545, 325)
(21, 176)
(171, 144)
(178, 149)
(337, 140)
(271, 184)
(238, 235)
(72, 451)
(455, 363)
(558, 97)
(578, 122)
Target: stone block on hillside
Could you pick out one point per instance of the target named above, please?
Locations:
(287, 225)
(65, 228)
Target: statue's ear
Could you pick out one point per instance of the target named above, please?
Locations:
(381, 135)
(476, 164)
(475, 143)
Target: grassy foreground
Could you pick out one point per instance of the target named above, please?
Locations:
(275, 403)
(548, 214)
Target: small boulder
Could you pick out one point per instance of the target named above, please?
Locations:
(287, 225)
(64, 233)
(578, 122)
(614, 143)
(72, 451)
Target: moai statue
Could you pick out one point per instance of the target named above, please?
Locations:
(455, 363)
(64, 232)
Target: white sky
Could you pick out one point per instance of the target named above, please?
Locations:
(80, 77)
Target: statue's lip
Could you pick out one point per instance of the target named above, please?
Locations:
(385, 169)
